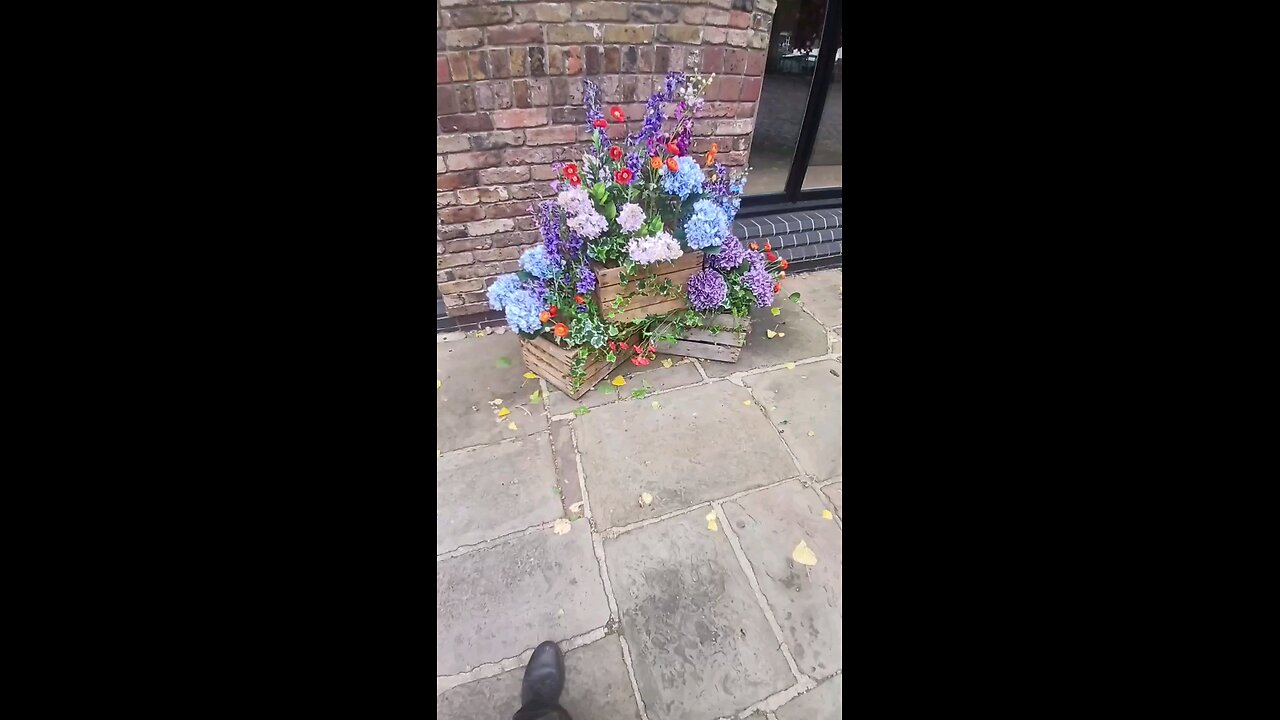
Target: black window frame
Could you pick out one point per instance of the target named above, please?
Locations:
(793, 196)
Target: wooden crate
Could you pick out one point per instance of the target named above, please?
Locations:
(609, 286)
(554, 363)
(724, 345)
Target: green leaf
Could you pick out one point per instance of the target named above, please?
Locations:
(775, 312)
(581, 410)
(504, 362)
(795, 297)
(610, 210)
(606, 389)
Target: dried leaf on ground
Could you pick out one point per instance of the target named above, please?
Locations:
(536, 394)
(746, 402)
(771, 334)
(512, 426)
(790, 366)
(618, 381)
(711, 522)
(646, 499)
(826, 515)
(667, 363)
(561, 526)
(576, 507)
(503, 412)
(530, 376)
(776, 312)
(504, 362)
(810, 433)
(804, 555)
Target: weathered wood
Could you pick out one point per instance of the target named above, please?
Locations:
(724, 345)
(606, 277)
(554, 364)
(705, 351)
(662, 308)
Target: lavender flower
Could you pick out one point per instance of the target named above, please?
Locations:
(760, 283)
(685, 181)
(706, 226)
(731, 255)
(649, 250)
(539, 263)
(586, 280)
(707, 290)
(590, 224)
(502, 289)
(630, 218)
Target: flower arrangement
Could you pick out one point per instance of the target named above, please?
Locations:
(738, 279)
(633, 205)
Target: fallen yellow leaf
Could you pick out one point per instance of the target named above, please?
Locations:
(667, 363)
(503, 412)
(437, 383)
(536, 394)
(711, 522)
(437, 453)
(746, 402)
(776, 312)
(512, 426)
(561, 527)
(771, 334)
(826, 515)
(655, 404)
(530, 376)
(618, 381)
(790, 366)
(646, 498)
(810, 433)
(803, 555)
(782, 334)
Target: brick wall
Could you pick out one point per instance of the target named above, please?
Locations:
(509, 103)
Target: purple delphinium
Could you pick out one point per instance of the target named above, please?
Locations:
(731, 255)
(634, 163)
(586, 280)
(549, 226)
(682, 140)
(591, 102)
(760, 283)
(707, 290)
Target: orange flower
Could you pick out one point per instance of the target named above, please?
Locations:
(767, 246)
(753, 246)
(561, 329)
(553, 310)
(578, 299)
(655, 162)
(544, 316)
(673, 148)
(672, 165)
(785, 263)
(711, 156)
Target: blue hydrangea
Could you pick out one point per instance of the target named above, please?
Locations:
(685, 181)
(502, 289)
(539, 263)
(522, 312)
(707, 225)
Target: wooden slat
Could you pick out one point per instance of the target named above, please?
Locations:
(538, 363)
(724, 337)
(606, 277)
(706, 351)
(552, 349)
(659, 309)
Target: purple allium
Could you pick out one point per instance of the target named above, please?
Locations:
(707, 290)
(590, 224)
(630, 218)
(706, 226)
(731, 255)
(760, 283)
(586, 280)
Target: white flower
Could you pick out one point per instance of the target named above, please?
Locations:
(630, 218)
(649, 250)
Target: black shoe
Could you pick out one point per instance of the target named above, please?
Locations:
(544, 675)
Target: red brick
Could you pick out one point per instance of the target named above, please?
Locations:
(462, 39)
(751, 89)
(502, 253)
(468, 243)
(654, 13)
(515, 35)
(715, 35)
(571, 34)
(461, 214)
(573, 61)
(442, 69)
(452, 143)
(551, 135)
(458, 286)
(755, 64)
(728, 87)
(453, 181)
(465, 123)
(448, 261)
(520, 118)
(740, 38)
(543, 12)
(542, 172)
(458, 66)
(446, 100)
(478, 62)
(739, 19)
(747, 110)
(717, 17)
(735, 61)
(680, 34)
(506, 210)
(694, 15)
(713, 60)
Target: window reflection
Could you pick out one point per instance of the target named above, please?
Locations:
(825, 166)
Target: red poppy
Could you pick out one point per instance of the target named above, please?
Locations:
(777, 287)
(613, 346)
(622, 346)
(616, 113)
(772, 257)
(639, 360)
(672, 165)
(615, 152)
(600, 123)
(560, 329)
(673, 149)
(553, 310)
(574, 180)
(767, 246)
(784, 263)
(623, 176)
(578, 299)
(570, 170)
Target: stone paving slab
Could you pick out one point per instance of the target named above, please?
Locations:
(701, 443)
(596, 687)
(825, 702)
(653, 375)
(566, 465)
(835, 492)
(808, 397)
(821, 292)
(470, 378)
(496, 603)
(803, 338)
(806, 601)
(487, 492)
(700, 644)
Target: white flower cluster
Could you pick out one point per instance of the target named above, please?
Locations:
(656, 248)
